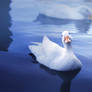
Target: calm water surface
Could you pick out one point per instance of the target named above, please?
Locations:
(26, 24)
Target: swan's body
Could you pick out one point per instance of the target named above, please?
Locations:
(54, 56)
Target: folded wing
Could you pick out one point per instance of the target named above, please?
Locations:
(47, 51)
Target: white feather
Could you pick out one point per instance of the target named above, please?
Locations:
(54, 56)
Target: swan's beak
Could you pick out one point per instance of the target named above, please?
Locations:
(67, 39)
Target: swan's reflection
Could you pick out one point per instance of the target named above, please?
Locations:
(81, 25)
(66, 76)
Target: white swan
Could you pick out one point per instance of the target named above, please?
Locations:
(54, 56)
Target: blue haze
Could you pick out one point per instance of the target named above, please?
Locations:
(27, 21)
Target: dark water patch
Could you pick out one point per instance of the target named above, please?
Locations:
(18, 74)
(34, 59)
(5, 24)
(81, 85)
(67, 77)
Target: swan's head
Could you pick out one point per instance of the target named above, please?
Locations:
(66, 37)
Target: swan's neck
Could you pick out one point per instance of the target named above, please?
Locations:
(68, 47)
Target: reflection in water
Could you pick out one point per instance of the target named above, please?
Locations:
(51, 20)
(66, 76)
(65, 86)
(5, 23)
(81, 25)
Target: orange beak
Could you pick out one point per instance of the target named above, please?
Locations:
(67, 39)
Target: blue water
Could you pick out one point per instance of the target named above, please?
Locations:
(27, 22)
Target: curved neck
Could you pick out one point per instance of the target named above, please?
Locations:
(68, 46)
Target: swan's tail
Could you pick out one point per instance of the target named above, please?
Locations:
(34, 49)
(36, 43)
(37, 48)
